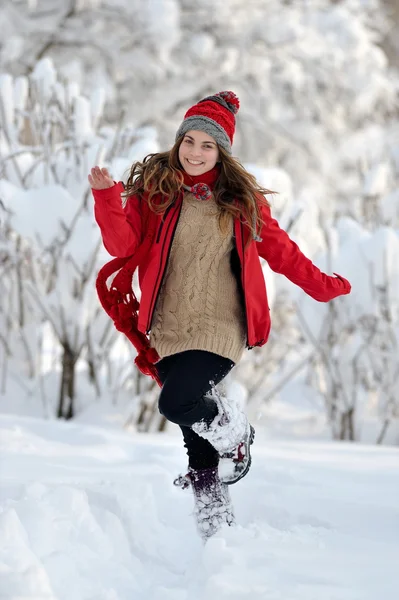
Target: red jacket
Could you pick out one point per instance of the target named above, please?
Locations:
(123, 230)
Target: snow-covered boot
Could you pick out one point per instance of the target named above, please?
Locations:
(213, 506)
(231, 434)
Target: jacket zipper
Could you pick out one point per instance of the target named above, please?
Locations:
(162, 223)
(157, 287)
(258, 342)
(243, 282)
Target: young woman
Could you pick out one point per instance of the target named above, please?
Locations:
(195, 222)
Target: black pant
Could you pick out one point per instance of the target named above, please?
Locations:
(186, 379)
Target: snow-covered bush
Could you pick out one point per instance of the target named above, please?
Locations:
(355, 366)
(51, 245)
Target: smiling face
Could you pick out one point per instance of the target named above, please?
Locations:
(198, 152)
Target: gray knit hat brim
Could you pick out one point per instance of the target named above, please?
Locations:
(207, 125)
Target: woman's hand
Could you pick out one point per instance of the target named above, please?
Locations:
(100, 179)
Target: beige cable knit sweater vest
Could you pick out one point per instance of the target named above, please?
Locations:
(198, 306)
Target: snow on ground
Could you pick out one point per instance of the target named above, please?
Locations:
(90, 514)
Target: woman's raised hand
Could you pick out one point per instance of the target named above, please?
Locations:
(100, 179)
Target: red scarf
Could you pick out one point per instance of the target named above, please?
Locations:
(209, 178)
(118, 298)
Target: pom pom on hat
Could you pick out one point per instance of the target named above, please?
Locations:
(231, 100)
(214, 115)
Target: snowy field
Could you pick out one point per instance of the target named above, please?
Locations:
(90, 514)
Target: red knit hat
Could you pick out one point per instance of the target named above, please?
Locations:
(214, 115)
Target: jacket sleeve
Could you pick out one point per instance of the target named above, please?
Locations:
(284, 256)
(120, 227)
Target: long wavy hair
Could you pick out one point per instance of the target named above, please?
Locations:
(158, 179)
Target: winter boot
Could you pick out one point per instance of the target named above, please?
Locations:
(212, 501)
(231, 434)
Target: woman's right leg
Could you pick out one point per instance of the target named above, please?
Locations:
(188, 399)
(187, 377)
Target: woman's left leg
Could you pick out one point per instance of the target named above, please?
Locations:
(201, 454)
